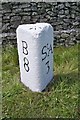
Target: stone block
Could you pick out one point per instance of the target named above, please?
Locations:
(35, 49)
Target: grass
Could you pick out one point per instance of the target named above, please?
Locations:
(59, 99)
(0, 81)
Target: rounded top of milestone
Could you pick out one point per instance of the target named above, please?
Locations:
(35, 29)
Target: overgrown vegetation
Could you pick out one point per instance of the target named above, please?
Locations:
(59, 99)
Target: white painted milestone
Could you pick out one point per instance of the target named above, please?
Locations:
(35, 50)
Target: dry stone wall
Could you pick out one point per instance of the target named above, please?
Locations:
(63, 16)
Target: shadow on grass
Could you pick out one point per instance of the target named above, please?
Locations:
(62, 80)
(65, 79)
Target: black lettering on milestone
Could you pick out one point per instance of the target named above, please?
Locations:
(44, 52)
(50, 50)
(26, 63)
(25, 46)
(48, 67)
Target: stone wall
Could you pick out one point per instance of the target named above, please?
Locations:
(63, 16)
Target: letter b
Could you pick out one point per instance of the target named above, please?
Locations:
(25, 46)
